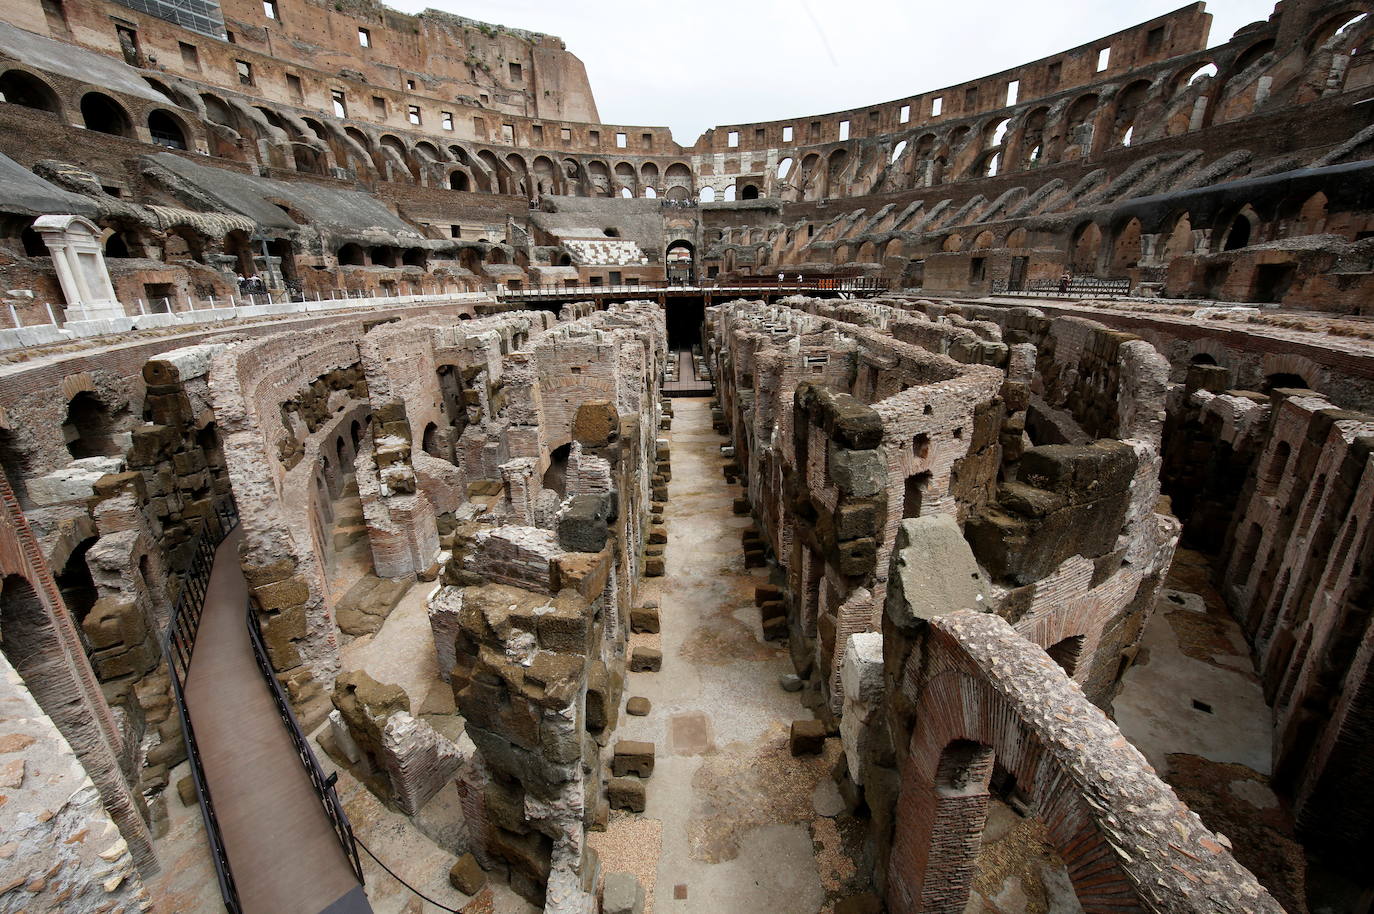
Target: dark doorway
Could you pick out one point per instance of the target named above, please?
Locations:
(916, 486)
(89, 428)
(77, 586)
(1016, 279)
(555, 475)
(1272, 281)
(685, 317)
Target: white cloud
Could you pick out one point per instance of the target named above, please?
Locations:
(693, 66)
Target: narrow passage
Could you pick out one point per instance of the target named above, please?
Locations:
(731, 823)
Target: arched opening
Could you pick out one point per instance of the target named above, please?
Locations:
(1252, 55)
(626, 193)
(181, 244)
(166, 131)
(555, 477)
(649, 192)
(1203, 358)
(1180, 240)
(1128, 105)
(708, 194)
(237, 243)
(678, 257)
(383, 256)
(1067, 653)
(89, 429)
(1238, 236)
(915, 488)
(116, 246)
(999, 132)
(429, 441)
(1284, 380)
(784, 168)
(76, 585)
(458, 180)
(1273, 472)
(415, 257)
(103, 114)
(749, 192)
(729, 193)
(307, 159)
(1126, 252)
(28, 91)
(1087, 242)
(352, 255)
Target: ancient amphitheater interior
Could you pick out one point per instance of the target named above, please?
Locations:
(419, 495)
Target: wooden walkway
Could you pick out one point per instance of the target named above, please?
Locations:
(688, 384)
(282, 850)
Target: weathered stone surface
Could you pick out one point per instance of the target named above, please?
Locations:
(596, 423)
(644, 619)
(633, 757)
(807, 737)
(646, 660)
(626, 793)
(934, 572)
(582, 523)
(637, 706)
(466, 875)
(622, 894)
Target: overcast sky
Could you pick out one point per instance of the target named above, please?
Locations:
(694, 64)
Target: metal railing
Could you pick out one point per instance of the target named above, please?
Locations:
(633, 287)
(323, 784)
(1084, 285)
(178, 645)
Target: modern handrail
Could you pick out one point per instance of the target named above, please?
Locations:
(323, 784)
(178, 645)
(824, 284)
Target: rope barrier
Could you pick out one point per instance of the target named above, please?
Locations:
(402, 881)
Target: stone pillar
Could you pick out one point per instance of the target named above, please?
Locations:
(74, 243)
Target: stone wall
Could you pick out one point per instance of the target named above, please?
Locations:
(970, 704)
(62, 849)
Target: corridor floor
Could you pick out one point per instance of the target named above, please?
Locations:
(731, 823)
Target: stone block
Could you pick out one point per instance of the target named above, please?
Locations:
(858, 473)
(653, 567)
(934, 572)
(638, 706)
(633, 757)
(775, 629)
(466, 876)
(626, 793)
(186, 791)
(658, 534)
(807, 737)
(622, 894)
(740, 505)
(582, 523)
(646, 660)
(644, 619)
(755, 558)
(765, 592)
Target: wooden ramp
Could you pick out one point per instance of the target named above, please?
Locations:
(282, 850)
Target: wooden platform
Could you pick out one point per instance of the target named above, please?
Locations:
(688, 383)
(282, 850)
